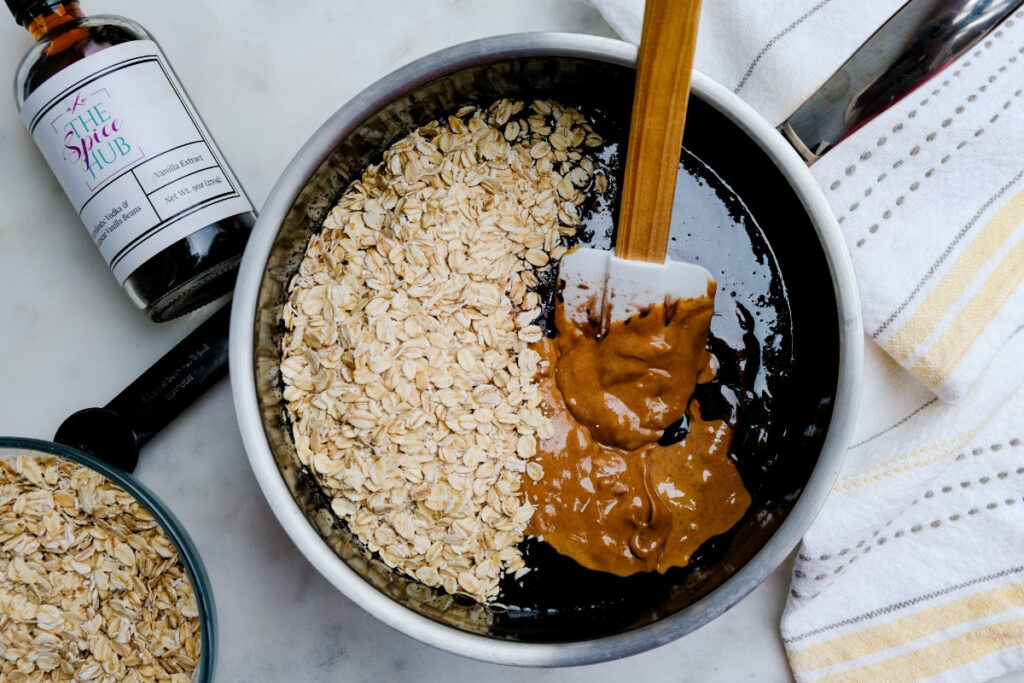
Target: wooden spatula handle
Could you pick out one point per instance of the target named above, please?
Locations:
(664, 64)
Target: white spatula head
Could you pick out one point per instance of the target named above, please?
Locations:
(601, 286)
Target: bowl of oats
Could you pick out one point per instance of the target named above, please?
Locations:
(98, 581)
(445, 449)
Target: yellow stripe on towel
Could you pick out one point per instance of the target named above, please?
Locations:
(945, 294)
(869, 641)
(935, 659)
(945, 355)
(907, 462)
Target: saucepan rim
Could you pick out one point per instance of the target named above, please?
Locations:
(351, 584)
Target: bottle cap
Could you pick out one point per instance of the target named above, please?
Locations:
(25, 10)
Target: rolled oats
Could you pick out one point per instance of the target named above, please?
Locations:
(407, 326)
(90, 587)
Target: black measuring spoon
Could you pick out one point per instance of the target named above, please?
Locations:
(116, 432)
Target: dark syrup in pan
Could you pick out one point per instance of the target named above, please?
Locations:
(751, 339)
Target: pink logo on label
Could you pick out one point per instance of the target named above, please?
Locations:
(79, 101)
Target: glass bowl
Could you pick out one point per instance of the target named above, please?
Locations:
(14, 446)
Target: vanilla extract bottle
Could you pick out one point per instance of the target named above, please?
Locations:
(137, 163)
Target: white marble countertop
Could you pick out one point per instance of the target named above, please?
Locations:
(264, 75)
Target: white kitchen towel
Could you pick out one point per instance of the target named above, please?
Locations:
(914, 569)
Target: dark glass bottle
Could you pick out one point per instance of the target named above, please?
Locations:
(196, 263)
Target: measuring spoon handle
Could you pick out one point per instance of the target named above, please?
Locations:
(117, 431)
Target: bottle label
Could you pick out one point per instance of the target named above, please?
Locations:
(131, 153)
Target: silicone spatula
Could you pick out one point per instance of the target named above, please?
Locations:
(637, 275)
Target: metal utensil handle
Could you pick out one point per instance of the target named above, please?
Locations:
(115, 432)
(917, 42)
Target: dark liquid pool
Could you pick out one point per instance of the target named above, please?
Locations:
(751, 341)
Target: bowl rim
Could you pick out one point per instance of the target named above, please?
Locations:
(333, 568)
(183, 544)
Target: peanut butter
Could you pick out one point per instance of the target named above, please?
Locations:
(611, 497)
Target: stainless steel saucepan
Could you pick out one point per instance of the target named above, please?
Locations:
(751, 204)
